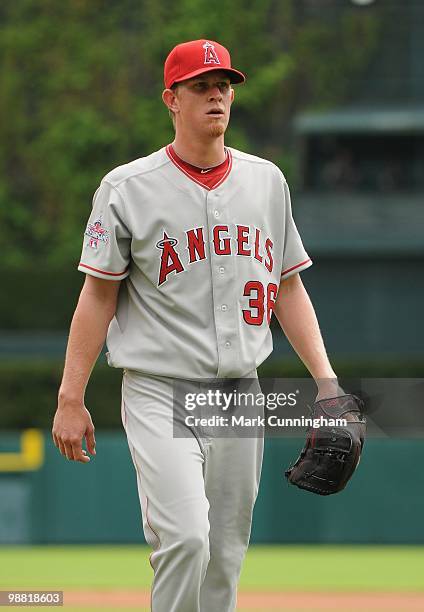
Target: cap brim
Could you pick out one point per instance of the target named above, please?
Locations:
(235, 75)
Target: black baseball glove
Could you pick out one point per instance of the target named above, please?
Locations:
(331, 453)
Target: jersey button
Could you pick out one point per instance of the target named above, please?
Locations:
(216, 214)
(222, 269)
(224, 307)
(227, 344)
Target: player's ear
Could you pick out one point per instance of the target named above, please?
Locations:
(169, 98)
(232, 93)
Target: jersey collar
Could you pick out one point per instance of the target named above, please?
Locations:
(209, 180)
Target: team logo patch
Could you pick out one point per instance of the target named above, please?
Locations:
(97, 233)
(210, 54)
(169, 259)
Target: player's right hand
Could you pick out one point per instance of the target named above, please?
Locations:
(72, 423)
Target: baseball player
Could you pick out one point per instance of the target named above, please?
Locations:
(187, 254)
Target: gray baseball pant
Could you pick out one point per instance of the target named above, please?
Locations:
(196, 496)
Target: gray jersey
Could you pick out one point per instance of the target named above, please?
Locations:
(201, 267)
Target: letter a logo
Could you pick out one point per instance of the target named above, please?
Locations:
(210, 54)
(170, 260)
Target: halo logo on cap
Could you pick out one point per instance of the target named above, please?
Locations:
(210, 54)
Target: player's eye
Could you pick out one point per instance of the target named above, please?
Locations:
(200, 86)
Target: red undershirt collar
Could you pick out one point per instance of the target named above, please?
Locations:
(209, 178)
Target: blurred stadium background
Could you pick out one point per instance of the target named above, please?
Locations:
(335, 97)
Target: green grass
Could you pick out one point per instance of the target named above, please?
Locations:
(277, 568)
(75, 567)
(334, 568)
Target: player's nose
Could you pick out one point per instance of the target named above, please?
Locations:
(214, 93)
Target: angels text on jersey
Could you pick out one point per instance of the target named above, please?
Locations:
(247, 242)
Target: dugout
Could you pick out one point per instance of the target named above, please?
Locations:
(359, 208)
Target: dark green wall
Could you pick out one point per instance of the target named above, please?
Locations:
(368, 305)
(98, 502)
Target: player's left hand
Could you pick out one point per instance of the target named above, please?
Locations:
(328, 387)
(331, 452)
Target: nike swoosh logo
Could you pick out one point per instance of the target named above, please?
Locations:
(204, 171)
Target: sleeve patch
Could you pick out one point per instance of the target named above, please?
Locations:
(97, 234)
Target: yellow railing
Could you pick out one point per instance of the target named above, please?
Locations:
(30, 456)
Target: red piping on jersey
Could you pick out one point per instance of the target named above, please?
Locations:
(173, 157)
(297, 266)
(102, 271)
(138, 472)
(151, 529)
(137, 468)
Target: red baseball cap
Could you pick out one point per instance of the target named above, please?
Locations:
(191, 58)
